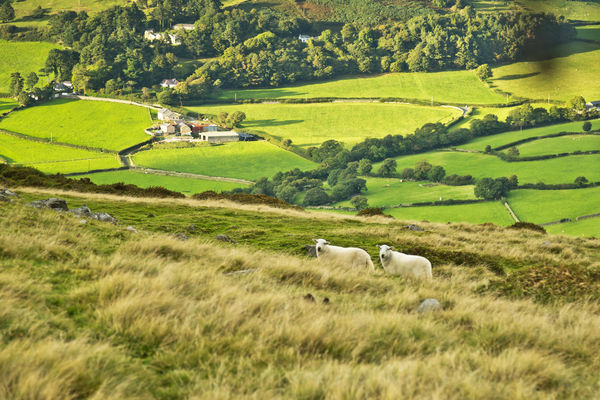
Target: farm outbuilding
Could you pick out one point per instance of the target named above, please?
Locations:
(220, 137)
(184, 129)
(169, 128)
(168, 115)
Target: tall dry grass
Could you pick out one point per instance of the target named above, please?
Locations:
(93, 311)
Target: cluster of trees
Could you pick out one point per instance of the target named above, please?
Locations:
(108, 50)
(495, 189)
(424, 43)
(7, 12)
(25, 90)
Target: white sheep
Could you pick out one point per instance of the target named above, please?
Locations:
(350, 256)
(396, 263)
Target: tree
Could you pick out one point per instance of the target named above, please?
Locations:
(577, 103)
(316, 197)
(24, 99)
(436, 174)
(492, 189)
(286, 142)
(513, 152)
(359, 202)
(16, 84)
(32, 80)
(488, 149)
(388, 168)
(222, 117)
(587, 126)
(236, 118)
(483, 72)
(581, 180)
(263, 186)
(166, 96)
(422, 168)
(364, 166)
(513, 182)
(286, 193)
(7, 12)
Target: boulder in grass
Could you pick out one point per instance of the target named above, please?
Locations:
(225, 238)
(8, 193)
(132, 229)
(429, 305)
(82, 211)
(104, 217)
(52, 203)
(415, 228)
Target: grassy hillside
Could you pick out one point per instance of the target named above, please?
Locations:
(312, 124)
(390, 191)
(461, 87)
(575, 10)
(477, 213)
(244, 160)
(589, 32)
(500, 112)
(557, 170)
(6, 104)
(23, 57)
(175, 183)
(100, 124)
(571, 71)
(24, 8)
(540, 206)
(114, 314)
(583, 228)
(512, 136)
(53, 158)
(565, 144)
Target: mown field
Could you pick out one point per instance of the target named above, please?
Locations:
(243, 160)
(541, 206)
(6, 104)
(390, 191)
(512, 136)
(556, 170)
(154, 317)
(461, 87)
(589, 32)
(477, 213)
(312, 124)
(53, 158)
(563, 144)
(22, 57)
(574, 10)
(570, 70)
(98, 124)
(175, 183)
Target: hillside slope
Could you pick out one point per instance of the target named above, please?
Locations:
(92, 310)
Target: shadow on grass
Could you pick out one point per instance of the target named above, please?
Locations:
(271, 122)
(517, 76)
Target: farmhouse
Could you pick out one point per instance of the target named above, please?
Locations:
(65, 86)
(593, 104)
(169, 83)
(184, 129)
(150, 35)
(169, 128)
(305, 38)
(167, 115)
(220, 137)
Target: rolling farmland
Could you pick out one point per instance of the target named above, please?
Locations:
(477, 213)
(22, 57)
(563, 144)
(312, 124)
(111, 126)
(175, 183)
(243, 160)
(461, 87)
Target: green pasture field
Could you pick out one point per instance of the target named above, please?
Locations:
(243, 160)
(51, 158)
(583, 228)
(477, 213)
(25, 7)
(312, 124)
(500, 112)
(175, 183)
(512, 136)
(563, 144)
(493, 6)
(461, 87)
(541, 206)
(23, 57)
(571, 70)
(6, 104)
(574, 10)
(552, 171)
(588, 32)
(99, 124)
(391, 191)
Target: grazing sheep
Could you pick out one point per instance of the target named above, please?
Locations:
(350, 256)
(396, 263)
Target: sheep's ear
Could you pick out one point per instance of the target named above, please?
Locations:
(315, 240)
(327, 242)
(392, 248)
(379, 246)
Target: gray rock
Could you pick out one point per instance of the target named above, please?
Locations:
(429, 305)
(83, 221)
(311, 250)
(416, 228)
(5, 198)
(225, 238)
(132, 229)
(53, 203)
(8, 193)
(104, 217)
(82, 211)
(181, 236)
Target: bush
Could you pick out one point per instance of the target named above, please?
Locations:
(316, 197)
(587, 126)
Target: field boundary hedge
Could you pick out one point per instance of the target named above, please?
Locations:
(507, 158)
(552, 135)
(43, 140)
